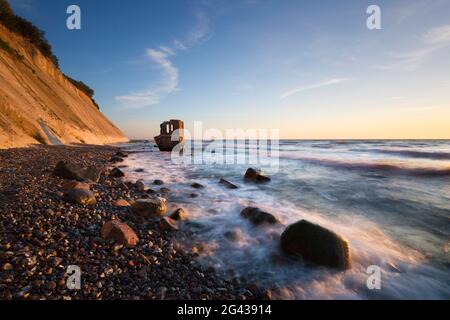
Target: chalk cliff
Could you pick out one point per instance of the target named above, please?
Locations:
(38, 104)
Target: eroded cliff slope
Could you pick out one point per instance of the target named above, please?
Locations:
(39, 105)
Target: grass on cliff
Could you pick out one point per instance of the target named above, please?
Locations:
(5, 46)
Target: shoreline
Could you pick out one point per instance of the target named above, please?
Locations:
(42, 234)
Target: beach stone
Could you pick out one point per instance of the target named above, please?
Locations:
(228, 184)
(252, 175)
(167, 224)
(153, 207)
(93, 173)
(164, 191)
(116, 159)
(7, 267)
(197, 185)
(234, 235)
(81, 196)
(139, 186)
(75, 185)
(73, 171)
(258, 217)
(139, 170)
(179, 214)
(316, 244)
(121, 203)
(122, 154)
(116, 173)
(119, 232)
(158, 182)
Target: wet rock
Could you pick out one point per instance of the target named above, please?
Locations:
(139, 186)
(234, 235)
(179, 214)
(153, 207)
(121, 203)
(258, 217)
(197, 185)
(255, 176)
(116, 173)
(116, 159)
(164, 191)
(139, 170)
(193, 195)
(158, 182)
(167, 224)
(316, 244)
(228, 184)
(119, 232)
(121, 154)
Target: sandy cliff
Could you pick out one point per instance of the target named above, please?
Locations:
(39, 105)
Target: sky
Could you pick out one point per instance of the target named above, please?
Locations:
(311, 69)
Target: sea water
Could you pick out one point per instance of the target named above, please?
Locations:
(389, 199)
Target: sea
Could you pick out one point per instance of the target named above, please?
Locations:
(389, 199)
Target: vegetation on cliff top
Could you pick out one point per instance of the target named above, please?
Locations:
(37, 38)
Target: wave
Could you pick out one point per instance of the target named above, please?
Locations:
(380, 166)
(434, 155)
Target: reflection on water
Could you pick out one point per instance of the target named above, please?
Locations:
(390, 199)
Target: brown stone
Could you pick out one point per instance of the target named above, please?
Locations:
(179, 214)
(116, 173)
(75, 185)
(167, 224)
(121, 203)
(81, 196)
(258, 217)
(153, 207)
(119, 232)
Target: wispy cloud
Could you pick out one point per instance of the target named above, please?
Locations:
(23, 4)
(326, 83)
(161, 57)
(431, 41)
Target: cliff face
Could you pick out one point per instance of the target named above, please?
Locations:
(39, 105)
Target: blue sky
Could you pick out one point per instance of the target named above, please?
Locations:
(309, 68)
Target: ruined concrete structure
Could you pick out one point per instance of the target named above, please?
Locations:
(172, 133)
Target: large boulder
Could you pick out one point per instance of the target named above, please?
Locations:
(316, 244)
(153, 207)
(119, 232)
(255, 176)
(73, 171)
(79, 193)
(258, 216)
